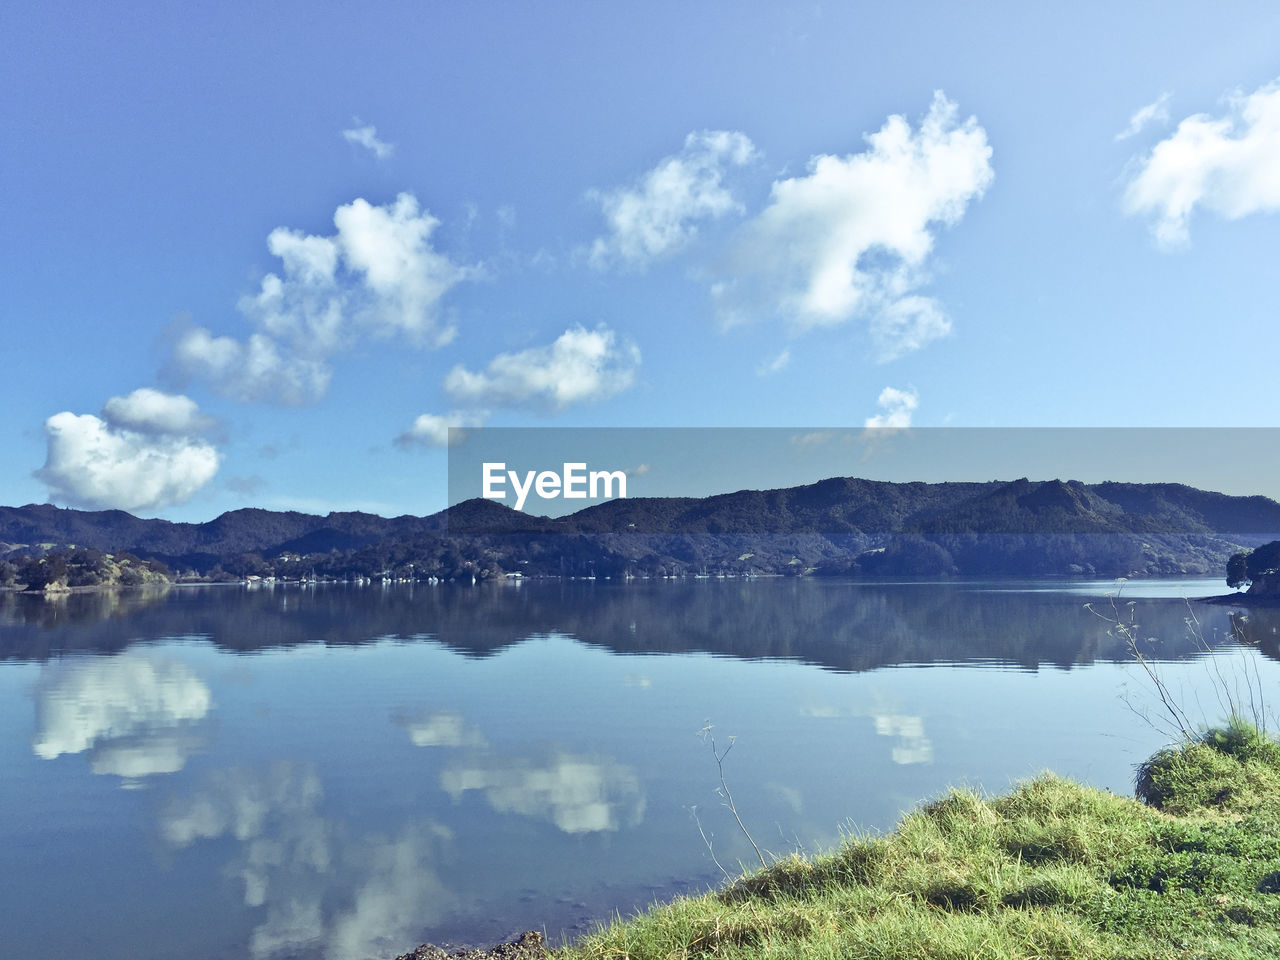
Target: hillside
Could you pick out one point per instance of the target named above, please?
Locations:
(839, 526)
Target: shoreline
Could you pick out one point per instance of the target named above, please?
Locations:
(1051, 868)
(1242, 598)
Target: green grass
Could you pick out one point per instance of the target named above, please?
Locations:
(1054, 869)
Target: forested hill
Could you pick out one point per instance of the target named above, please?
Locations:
(840, 525)
(238, 531)
(846, 505)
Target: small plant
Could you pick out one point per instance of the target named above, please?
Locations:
(1239, 693)
(709, 738)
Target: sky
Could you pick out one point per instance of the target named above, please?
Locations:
(267, 255)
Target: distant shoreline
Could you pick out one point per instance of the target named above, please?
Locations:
(1231, 599)
(1242, 599)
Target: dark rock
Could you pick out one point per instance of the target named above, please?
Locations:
(528, 946)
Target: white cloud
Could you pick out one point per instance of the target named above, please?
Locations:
(1155, 112)
(1228, 165)
(807, 441)
(581, 366)
(851, 238)
(577, 794)
(389, 248)
(657, 216)
(378, 275)
(143, 454)
(131, 714)
(367, 137)
(432, 429)
(780, 362)
(897, 406)
(907, 324)
(252, 372)
(150, 411)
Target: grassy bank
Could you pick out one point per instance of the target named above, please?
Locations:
(1053, 869)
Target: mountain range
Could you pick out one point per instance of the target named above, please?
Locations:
(839, 526)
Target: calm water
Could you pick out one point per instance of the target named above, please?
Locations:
(342, 772)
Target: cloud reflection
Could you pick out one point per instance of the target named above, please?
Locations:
(577, 794)
(131, 713)
(442, 728)
(341, 896)
(912, 746)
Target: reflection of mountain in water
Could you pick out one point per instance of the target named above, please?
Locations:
(1259, 627)
(840, 626)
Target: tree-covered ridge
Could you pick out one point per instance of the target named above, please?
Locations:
(840, 527)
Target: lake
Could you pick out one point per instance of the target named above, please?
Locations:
(343, 772)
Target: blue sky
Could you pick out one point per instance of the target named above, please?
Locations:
(264, 254)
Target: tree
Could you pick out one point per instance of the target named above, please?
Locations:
(1258, 569)
(43, 572)
(1263, 561)
(1237, 567)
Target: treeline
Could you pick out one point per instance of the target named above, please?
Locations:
(644, 555)
(618, 556)
(81, 567)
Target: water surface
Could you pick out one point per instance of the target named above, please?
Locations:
(340, 772)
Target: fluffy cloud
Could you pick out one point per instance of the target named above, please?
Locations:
(657, 216)
(378, 275)
(432, 429)
(907, 324)
(1155, 112)
(389, 248)
(252, 372)
(897, 406)
(577, 794)
(851, 238)
(581, 366)
(150, 411)
(131, 714)
(1229, 165)
(144, 453)
(367, 137)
